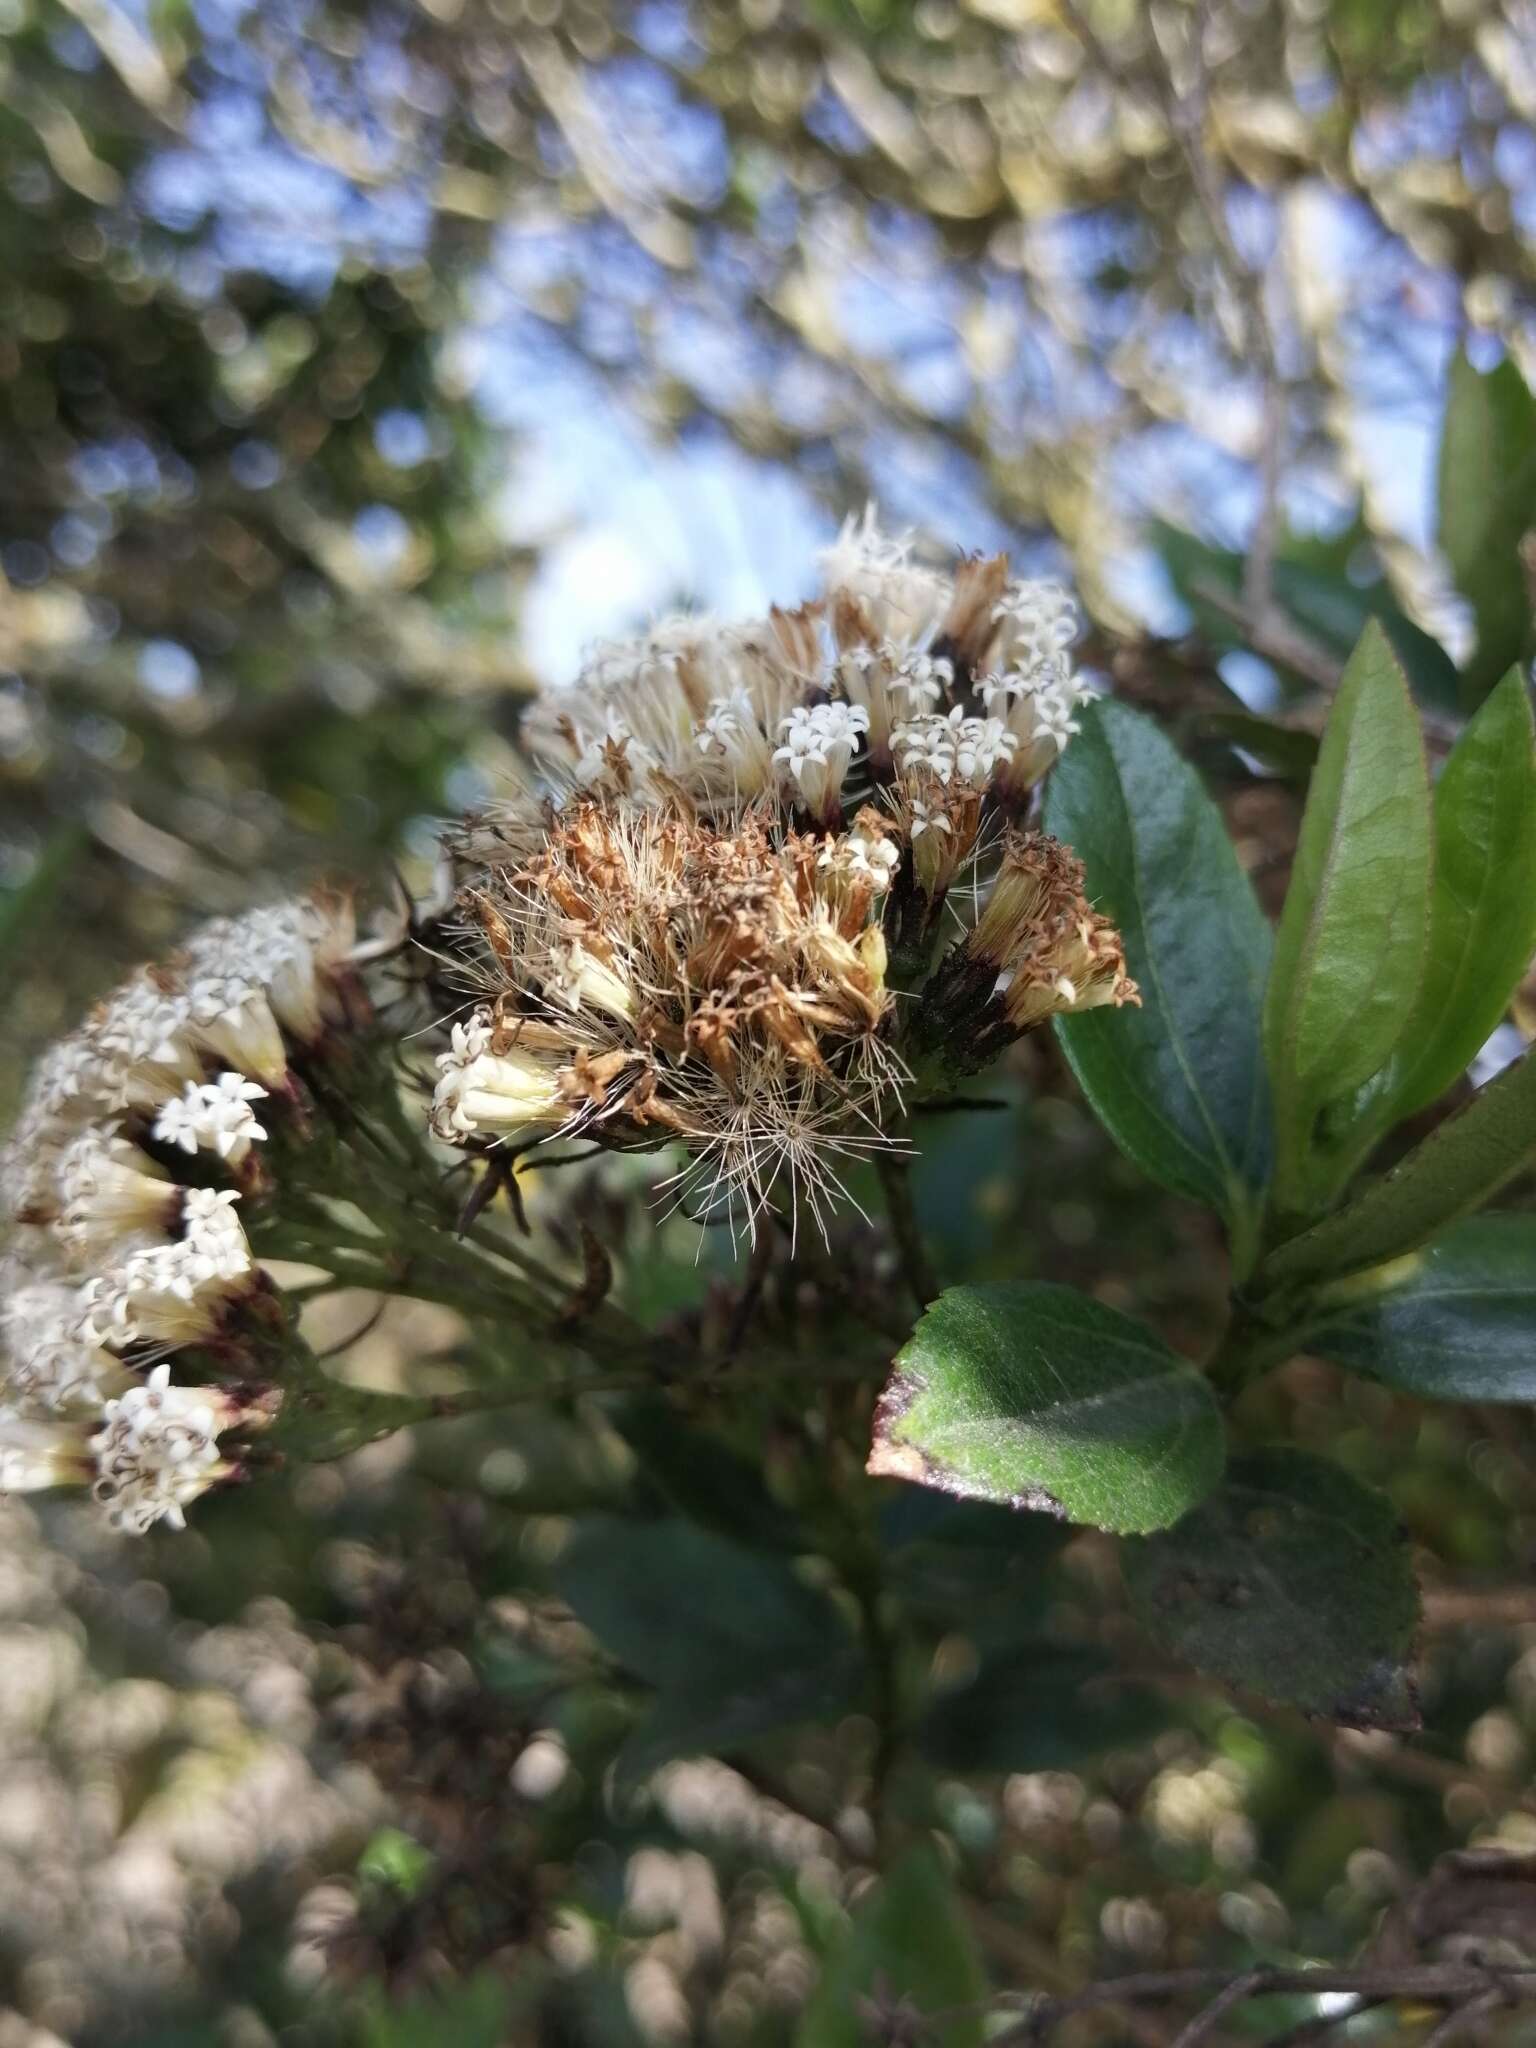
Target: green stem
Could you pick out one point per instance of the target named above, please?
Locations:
(1248, 1349)
(323, 1418)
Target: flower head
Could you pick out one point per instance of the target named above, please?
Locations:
(126, 1246)
(686, 934)
(1038, 949)
(156, 1450)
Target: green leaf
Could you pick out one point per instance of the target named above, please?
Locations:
(1482, 919)
(1487, 501)
(948, 1556)
(1349, 954)
(1038, 1397)
(1459, 1324)
(1317, 582)
(1461, 1165)
(734, 1642)
(908, 1941)
(1180, 1082)
(1292, 1581)
(1289, 752)
(1037, 1706)
(702, 1478)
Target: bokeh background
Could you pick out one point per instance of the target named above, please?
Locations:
(359, 365)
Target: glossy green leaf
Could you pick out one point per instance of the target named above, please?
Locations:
(1038, 1397)
(1180, 1082)
(1459, 1324)
(908, 1942)
(1461, 1165)
(1487, 504)
(1292, 1581)
(1349, 954)
(1037, 1706)
(1482, 920)
(735, 1642)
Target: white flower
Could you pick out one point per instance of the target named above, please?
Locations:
(230, 1016)
(731, 733)
(902, 600)
(214, 1114)
(980, 744)
(925, 747)
(1037, 623)
(721, 730)
(820, 741)
(49, 1356)
(294, 952)
(927, 818)
(156, 1450)
(467, 1039)
(921, 679)
(874, 860)
(173, 1293)
(63, 1076)
(213, 1244)
(498, 1092)
(111, 1193)
(1036, 711)
(141, 1036)
(577, 976)
(812, 734)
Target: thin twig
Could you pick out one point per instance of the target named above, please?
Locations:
(1321, 2023)
(895, 1170)
(751, 1294)
(1259, 568)
(961, 1105)
(370, 1322)
(1272, 634)
(1448, 1984)
(1479, 1606)
(1462, 2017)
(1266, 626)
(1205, 2023)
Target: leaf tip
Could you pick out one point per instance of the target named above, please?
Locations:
(889, 1459)
(1385, 1701)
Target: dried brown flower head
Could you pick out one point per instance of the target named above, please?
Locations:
(708, 922)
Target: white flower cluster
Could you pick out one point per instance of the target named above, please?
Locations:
(124, 1244)
(870, 690)
(157, 1448)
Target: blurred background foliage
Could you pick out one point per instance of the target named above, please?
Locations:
(358, 364)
